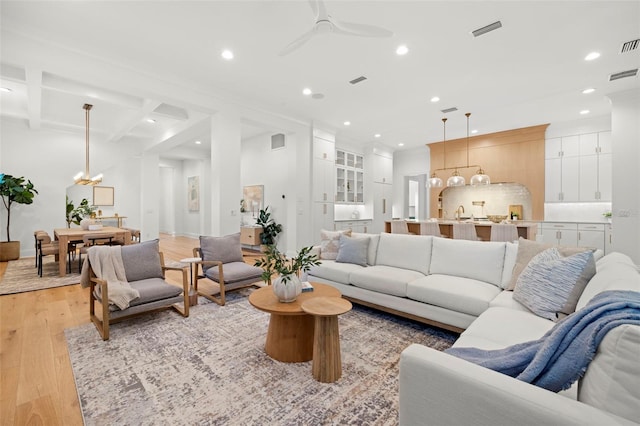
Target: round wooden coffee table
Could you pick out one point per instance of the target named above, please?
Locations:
(290, 334)
(327, 363)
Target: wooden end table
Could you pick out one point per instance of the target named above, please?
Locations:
(327, 363)
(193, 294)
(291, 330)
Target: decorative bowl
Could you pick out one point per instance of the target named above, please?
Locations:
(496, 218)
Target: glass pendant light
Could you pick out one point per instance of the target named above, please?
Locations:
(480, 178)
(455, 179)
(435, 181)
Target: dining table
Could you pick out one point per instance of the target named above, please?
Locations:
(66, 235)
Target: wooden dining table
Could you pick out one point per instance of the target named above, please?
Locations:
(65, 235)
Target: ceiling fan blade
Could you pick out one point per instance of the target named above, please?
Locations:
(362, 30)
(297, 42)
(314, 7)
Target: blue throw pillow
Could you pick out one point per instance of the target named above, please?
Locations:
(353, 250)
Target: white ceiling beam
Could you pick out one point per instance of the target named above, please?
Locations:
(148, 106)
(197, 126)
(34, 97)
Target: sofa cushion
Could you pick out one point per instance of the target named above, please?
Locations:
(459, 294)
(500, 327)
(234, 272)
(225, 249)
(384, 279)
(479, 260)
(329, 243)
(374, 240)
(142, 260)
(333, 271)
(615, 271)
(527, 249)
(548, 284)
(505, 300)
(611, 381)
(510, 256)
(153, 289)
(405, 252)
(353, 250)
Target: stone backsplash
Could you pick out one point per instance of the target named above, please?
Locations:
(497, 198)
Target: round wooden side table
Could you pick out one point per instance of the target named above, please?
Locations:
(290, 334)
(327, 363)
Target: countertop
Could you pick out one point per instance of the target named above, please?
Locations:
(352, 220)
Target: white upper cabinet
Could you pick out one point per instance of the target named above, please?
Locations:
(382, 168)
(349, 177)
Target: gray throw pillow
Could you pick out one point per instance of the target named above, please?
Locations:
(142, 261)
(550, 281)
(353, 250)
(225, 249)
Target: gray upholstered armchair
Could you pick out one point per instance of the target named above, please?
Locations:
(143, 267)
(222, 263)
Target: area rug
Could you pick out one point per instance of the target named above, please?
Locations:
(22, 275)
(211, 369)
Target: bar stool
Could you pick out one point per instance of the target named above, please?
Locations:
(400, 227)
(465, 231)
(430, 228)
(504, 232)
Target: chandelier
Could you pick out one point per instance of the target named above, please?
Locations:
(84, 178)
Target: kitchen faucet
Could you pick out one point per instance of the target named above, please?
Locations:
(458, 211)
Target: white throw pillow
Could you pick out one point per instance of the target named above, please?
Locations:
(329, 243)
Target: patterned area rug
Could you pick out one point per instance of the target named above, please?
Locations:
(22, 275)
(211, 369)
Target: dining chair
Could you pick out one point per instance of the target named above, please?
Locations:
(399, 226)
(465, 231)
(504, 232)
(35, 238)
(92, 239)
(430, 228)
(45, 247)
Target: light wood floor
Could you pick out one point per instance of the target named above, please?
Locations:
(36, 381)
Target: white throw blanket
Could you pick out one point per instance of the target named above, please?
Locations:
(107, 264)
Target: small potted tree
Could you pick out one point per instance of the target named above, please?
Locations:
(270, 229)
(13, 190)
(287, 285)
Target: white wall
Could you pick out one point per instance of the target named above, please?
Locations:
(50, 159)
(412, 162)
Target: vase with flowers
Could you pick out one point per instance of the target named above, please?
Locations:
(287, 285)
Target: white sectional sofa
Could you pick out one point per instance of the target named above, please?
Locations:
(460, 285)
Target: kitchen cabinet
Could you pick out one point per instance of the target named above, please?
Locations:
(323, 181)
(382, 193)
(349, 177)
(322, 218)
(382, 167)
(573, 234)
(608, 239)
(362, 226)
(324, 149)
(578, 168)
(323, 187)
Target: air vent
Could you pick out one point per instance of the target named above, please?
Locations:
(358, 80)
(488, 28)
(445, 111)
(630, 45)
(623, 74)
(277, 141)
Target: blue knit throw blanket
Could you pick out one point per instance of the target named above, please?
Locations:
(562, 355)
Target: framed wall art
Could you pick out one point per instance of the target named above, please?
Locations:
(193, 193)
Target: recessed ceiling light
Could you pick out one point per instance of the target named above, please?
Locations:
(402, 50)
(400, 144)
(198, 142)
(585, 112)
(435, 99)
(377, 135)
(227, 54)
(474, 131)
(306, 91)
(5, 89)
(347, 123)
(150, 120)
(588, 90)
(591, 56)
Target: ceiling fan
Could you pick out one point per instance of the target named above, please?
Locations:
(327, 24)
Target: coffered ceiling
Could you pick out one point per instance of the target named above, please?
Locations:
(160, 60)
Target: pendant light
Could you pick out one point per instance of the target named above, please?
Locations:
(84, 178)
(455, 179)
(435, 181)
(480, 178)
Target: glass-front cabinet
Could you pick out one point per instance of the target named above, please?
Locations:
(349, 177)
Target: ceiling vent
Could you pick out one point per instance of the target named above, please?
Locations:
(445, 111)
(488, 28)
(623, 74)
(358, 80)
(630, 46)
(277, 141)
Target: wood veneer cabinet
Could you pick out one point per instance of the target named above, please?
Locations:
(510, 156)
(250, 235)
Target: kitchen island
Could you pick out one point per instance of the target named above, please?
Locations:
(526, 229)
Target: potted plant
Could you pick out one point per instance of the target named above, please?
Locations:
(287, 285)
(77, 214)
(270, 229)
(13, 190)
